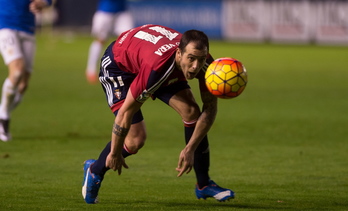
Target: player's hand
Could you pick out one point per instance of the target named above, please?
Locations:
(115, 163)
(185, 164)
(36, 6)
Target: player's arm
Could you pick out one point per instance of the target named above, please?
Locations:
(120, 130)
(209, 107)
(209, 111)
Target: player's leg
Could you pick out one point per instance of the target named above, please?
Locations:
(124, 21)
(11, 86)
(8, 97)
(12, 50)
(94, 170)
(181, 99)
(22, 87)
(29, 48)
(184, 103)
(115, 84)
(134, 141)
(102, 25)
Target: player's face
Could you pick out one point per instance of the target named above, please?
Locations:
(191, 61)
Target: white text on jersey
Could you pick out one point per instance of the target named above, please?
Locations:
(164, 48)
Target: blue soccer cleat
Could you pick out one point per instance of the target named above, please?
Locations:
(213, 190)
(91, 183)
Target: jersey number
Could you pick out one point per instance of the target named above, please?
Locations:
(154, 39)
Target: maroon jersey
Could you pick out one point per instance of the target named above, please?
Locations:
(142, 59)
(148, 52)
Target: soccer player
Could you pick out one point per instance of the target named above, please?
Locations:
(17, 46)
(111, 17)
(154, 61)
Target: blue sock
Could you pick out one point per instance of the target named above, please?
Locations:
(98, 167)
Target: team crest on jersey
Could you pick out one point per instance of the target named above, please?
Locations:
(117, 94)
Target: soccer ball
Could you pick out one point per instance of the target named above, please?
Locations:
(226, 78)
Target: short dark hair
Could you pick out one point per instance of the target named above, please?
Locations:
(198, 37)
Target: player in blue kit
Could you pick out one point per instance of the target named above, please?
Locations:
(111, 17)
(17, 46)
(154, 61)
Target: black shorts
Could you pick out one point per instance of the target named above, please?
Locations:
(167, 92)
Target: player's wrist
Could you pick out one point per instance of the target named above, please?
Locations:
(189, 148)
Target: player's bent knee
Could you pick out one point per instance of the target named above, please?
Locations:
(139, 142)
(135, 143)
(191, 114)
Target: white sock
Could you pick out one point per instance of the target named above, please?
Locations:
(7, 99)
(94, 56)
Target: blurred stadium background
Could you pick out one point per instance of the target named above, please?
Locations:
(288, 21)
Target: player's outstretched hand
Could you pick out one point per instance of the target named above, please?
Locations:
(185, 163)
(37, 5)
(115, 163)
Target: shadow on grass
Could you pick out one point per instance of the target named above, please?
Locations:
(209, 204)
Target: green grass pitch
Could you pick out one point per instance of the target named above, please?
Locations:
(281, 145)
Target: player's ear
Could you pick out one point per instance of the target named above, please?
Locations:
(178, 53)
